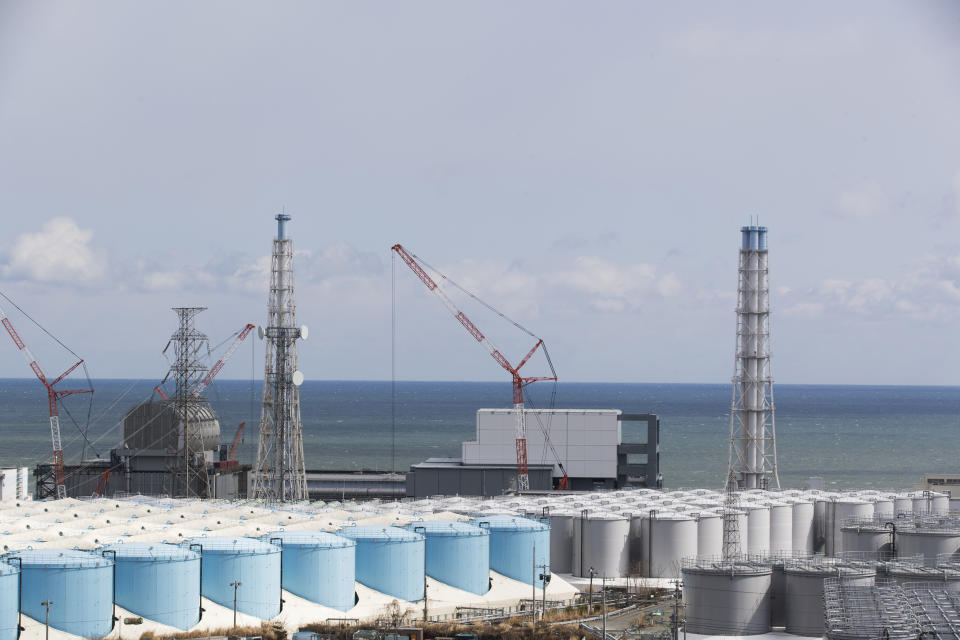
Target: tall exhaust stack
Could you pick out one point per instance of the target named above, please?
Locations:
(281, 474)
(753, 446)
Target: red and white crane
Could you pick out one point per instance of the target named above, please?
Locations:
(519, 382)
(53, 398)
(215, 369)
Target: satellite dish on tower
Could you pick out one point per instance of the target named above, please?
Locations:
(303, 332)
(260, 332)
(297, 378)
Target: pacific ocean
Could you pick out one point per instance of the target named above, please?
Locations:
(853, 436)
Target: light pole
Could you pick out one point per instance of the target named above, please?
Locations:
(590, 609)
(236, 585)
(604, 595)
(47, 603)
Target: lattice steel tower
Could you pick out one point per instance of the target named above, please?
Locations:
(753, 447)
(281, 474)
(187, 370)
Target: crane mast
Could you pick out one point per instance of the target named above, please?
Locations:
(519, 382)
(53, 398)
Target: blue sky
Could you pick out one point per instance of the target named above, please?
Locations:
(583, 166)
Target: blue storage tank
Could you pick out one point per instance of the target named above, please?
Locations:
(512, 544)
(79, 584)
(160, 582)
(255, 564)
(9, 600)
(318, 566)
(389, 560)
(457, 553)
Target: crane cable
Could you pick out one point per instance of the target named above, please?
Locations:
(545, 429)
(86, 373)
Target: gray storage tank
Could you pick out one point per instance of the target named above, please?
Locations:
(929, 540)
(727, 598)
(670, 538)
(600, 542)
(868, 536)
(804, 591)
(561, 542)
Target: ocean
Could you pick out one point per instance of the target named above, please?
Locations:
(852, 436)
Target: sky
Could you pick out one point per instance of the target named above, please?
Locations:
(582, 167)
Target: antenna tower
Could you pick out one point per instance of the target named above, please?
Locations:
(187, 371)
(281, 474)
(753, 447)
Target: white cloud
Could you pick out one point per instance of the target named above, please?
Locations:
(612, 287)
(865, 200)
(59, 253)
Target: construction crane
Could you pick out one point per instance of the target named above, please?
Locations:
(53, 398)
(519, 382)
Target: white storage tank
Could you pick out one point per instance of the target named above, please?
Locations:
(670, 538)
(758, 529)
(902, 504)
(883, 507)
(781, 528)
(600, 542)
(727, 598)
(843, 510)
(867, 537)
(928, 542)
(802, 526)
(709, 534)
(804, 592)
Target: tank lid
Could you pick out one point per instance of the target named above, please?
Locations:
(385, 534)
(59, 558)
(227, 544)
(319, 539)
(150, 551)
(447, 528)
(511, 523)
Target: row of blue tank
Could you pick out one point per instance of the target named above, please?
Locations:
(164, 582)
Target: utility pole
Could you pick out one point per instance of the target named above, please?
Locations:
(675, 621)
(236, 585)
(604, 596)
(47, 603)
(590, 608)
(533, 583)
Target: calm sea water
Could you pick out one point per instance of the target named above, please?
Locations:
(853, 436)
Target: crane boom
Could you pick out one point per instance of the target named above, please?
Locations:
(218, 365)
(519, 382)
(53, 397)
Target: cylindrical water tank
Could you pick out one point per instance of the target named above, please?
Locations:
(883, 507)
(927, 542)
(941, 503)
(727, 601)
(804, 594)
(458, 554)
(389, 560)
(670, 538)
(601, 543)
(709, 534)
(902, 574)
(318, 566)
(781, 528)
(843, 510)
(80, 585)
(802, 527)
(516, 545)
(902, 504)
(867, 538)
(9, 600)
(255, 564)
(160, 582)
(561, 542)
(758, 529)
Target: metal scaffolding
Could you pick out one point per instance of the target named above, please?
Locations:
(879, 611)
(281, 472)
(753, 448)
